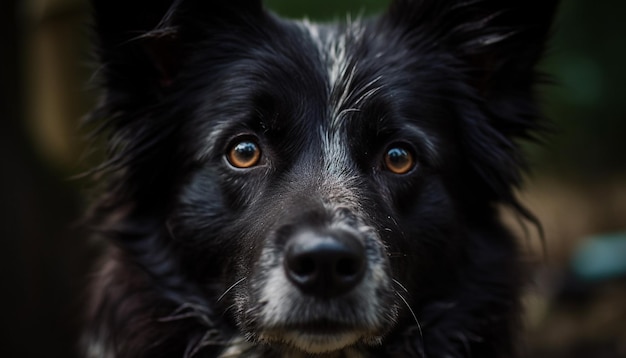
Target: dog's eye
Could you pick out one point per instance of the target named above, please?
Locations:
(399, 160)
(244, 154)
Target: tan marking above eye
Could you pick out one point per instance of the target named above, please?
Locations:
(399, 160)
(244, 154)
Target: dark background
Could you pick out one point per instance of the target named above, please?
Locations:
(578, 187)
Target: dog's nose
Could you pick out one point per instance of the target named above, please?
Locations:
(325, 265)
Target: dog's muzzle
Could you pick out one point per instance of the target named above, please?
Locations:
(320, 288)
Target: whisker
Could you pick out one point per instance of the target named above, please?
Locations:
(232, 307)
(210, 338)
(178, 317)
(419, 326)
(397, 226)
(230, 288)
(401, 285)
(189, 310)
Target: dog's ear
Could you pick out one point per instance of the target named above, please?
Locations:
(499, 41)
(494, 46)
(141, 44)
(144, 48)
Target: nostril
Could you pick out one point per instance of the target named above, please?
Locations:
(302, 265)
(324, 265)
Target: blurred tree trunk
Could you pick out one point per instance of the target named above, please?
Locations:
(40, 255)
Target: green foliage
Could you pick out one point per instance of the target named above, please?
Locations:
(325, 9)
(588, 101)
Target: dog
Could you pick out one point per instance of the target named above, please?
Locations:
(281, 188)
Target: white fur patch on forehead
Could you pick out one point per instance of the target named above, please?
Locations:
(339, 179)
(333, 48)
(333, 45)
(335, 154)
(344, 97)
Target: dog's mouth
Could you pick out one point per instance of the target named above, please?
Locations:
(321, 328)
(316, 326)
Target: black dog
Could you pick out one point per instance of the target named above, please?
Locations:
(290, 189)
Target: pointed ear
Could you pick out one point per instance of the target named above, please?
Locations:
(499, 41)
(494, 45)
(141, 44)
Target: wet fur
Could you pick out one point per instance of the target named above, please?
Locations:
(195, 246)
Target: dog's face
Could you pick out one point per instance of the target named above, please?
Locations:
(318, 165)
(314, 180)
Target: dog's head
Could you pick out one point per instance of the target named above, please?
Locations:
(317, 180)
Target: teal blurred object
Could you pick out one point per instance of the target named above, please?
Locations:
(601, 257)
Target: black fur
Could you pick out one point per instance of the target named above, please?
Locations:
(184, 226)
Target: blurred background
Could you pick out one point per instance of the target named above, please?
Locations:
(576, 306)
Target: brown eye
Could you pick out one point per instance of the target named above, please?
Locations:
(244, 154)
(399, 160)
